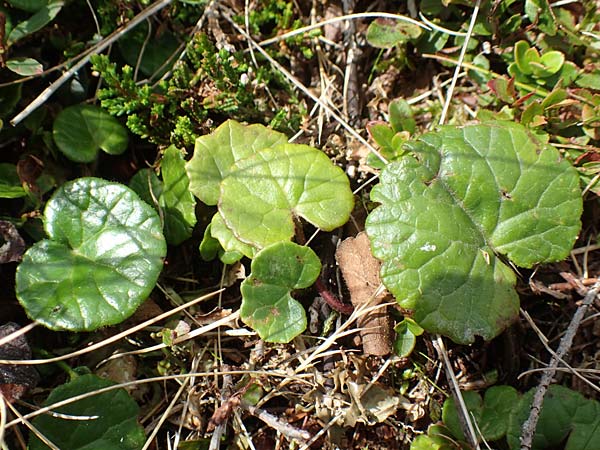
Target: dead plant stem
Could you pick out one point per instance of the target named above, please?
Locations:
(530, 425)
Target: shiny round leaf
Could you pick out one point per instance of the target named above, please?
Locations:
(102, 258)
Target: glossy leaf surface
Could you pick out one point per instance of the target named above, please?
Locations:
(102, 258)
(267, 304)
(466, 196)
(263, 193)
(215, 153)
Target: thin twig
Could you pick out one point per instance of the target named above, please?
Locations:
(121, 335)
(530, 425)
(464, 416)
(289, 431)
(364, 15)
(458, 68)
(98, 48)
(3, 415)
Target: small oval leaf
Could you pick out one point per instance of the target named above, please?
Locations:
(37, 21)
(24, 66)
(80, 131)
(267, 305)
(387, 33)
(102, 258)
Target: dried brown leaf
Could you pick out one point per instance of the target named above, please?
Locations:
(361, 274)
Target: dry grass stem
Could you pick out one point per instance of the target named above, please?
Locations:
(129, 331)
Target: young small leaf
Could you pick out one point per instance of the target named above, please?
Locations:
(267, 305)
(111, 418)
(80, 131)
(468, 195)
(215, 153)
(39, 20)
(102, 258)
(177, 202)
(24, 66)
(261, 194)
(386, 33)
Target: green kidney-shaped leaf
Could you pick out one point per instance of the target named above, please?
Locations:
(262, 194)
(215, 153)
(102, 258)
(468, 195)
(37, 21)
(111, 419)
(80, 131)
(267, 305)
(176, 200)
(10, 183)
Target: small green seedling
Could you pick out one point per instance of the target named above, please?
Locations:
(103, 255)
(391, 137)
(530, 67)
(463, 201)
(407, 332)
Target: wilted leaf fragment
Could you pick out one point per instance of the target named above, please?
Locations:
(13, 245)
(111, 418)
(263, 193)
(80, 131)
(468, 195)
(215, 153)
(267, 304)
(102, 258)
